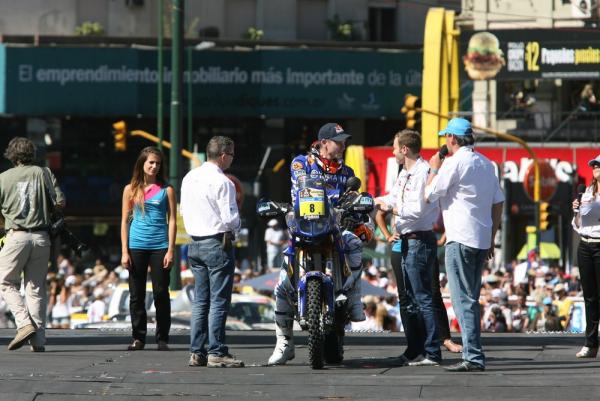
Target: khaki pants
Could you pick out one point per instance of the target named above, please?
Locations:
(26, 253)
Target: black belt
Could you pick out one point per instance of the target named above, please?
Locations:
(30, 230)
(415, 234)
(588, 237)
(218, 236)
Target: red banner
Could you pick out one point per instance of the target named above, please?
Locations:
(512, 162)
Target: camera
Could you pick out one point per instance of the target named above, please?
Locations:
(58, 227)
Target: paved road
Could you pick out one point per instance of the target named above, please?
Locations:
(93, 365)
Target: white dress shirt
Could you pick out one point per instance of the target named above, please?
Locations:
(208, 204)
(408, 197)
(466, 187)
(589, 211)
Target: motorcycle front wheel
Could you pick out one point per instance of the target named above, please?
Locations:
(314, 320)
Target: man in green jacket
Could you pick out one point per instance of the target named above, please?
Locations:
(28, 195)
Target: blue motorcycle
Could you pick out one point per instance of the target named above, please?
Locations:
(316, 267)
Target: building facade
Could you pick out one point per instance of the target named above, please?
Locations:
(275, 71)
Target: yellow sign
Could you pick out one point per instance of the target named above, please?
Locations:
(312, 203)
(182, 237)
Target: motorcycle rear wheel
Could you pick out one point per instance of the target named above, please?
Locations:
(334, 339)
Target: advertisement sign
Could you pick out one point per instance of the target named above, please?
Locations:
(270, 83)
(548, 181)
(512, 163)
(531, 53)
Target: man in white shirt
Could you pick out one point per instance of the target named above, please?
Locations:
(414, 219)
(275, 239)
(471, 201)
(211, 217)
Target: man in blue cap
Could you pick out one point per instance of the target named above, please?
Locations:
(324, 161)
(471, 201)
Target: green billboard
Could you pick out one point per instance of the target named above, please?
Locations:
(272, 83)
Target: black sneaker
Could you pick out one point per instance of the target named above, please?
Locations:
(465, 366)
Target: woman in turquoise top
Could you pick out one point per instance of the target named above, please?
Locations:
(148, 241)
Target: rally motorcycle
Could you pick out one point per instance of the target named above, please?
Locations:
(316, 267)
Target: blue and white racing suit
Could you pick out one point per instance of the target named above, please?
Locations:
(335, 184)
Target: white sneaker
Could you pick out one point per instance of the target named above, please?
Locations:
(284, 351)
(422, 361)
(587, 352)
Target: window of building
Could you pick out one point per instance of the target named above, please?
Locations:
(382, 24)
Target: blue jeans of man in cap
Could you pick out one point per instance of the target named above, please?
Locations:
(418, 258)
(212, 267)
(464, 266)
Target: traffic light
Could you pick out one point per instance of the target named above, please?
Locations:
(120, 134)
(544, 216)
(413, 117)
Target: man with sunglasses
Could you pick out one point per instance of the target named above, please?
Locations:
(324, 161)
(211, 217)
(471, 201)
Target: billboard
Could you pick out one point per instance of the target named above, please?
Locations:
(533, 53)
(512, 164)
(86, 81)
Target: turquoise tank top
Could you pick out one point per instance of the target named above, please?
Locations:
(149, 230)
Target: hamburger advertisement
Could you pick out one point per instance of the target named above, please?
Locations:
(484, 58)
(530, 54)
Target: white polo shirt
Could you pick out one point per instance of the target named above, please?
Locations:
(408, 197)
(466, 187)
(208, 205)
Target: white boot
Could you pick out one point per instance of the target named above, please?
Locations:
(284, 348)
(355, 306)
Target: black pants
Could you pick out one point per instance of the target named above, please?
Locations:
(140, 260)
(588, 257)
(414, 328)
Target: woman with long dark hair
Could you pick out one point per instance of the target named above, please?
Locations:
(586, 223)
(148, 229)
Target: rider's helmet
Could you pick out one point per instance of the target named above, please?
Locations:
(363, 232)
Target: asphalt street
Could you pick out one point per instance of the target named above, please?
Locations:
(91, 365)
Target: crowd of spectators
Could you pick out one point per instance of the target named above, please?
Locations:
(524, 296)
(72, 292)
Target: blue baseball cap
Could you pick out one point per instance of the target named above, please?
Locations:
(333, 131)
(594, 161)
(457, 126)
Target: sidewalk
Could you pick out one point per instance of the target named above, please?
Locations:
(91, 365)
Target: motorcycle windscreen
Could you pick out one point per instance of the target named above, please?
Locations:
(311, 199)
(312, 212)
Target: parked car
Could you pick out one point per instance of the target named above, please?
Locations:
(255, 311)
(247, 312)
(118, 307)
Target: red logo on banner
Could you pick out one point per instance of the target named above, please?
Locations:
(548, 180)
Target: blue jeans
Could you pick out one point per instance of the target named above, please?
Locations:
(464, 266)
(418, 258)
(212, 267)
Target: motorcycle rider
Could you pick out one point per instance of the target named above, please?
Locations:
(324, 161)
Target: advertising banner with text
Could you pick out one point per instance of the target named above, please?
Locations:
(512, 163)
(531, 53)
(271, 83)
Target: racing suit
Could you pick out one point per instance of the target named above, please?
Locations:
(335, 177)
